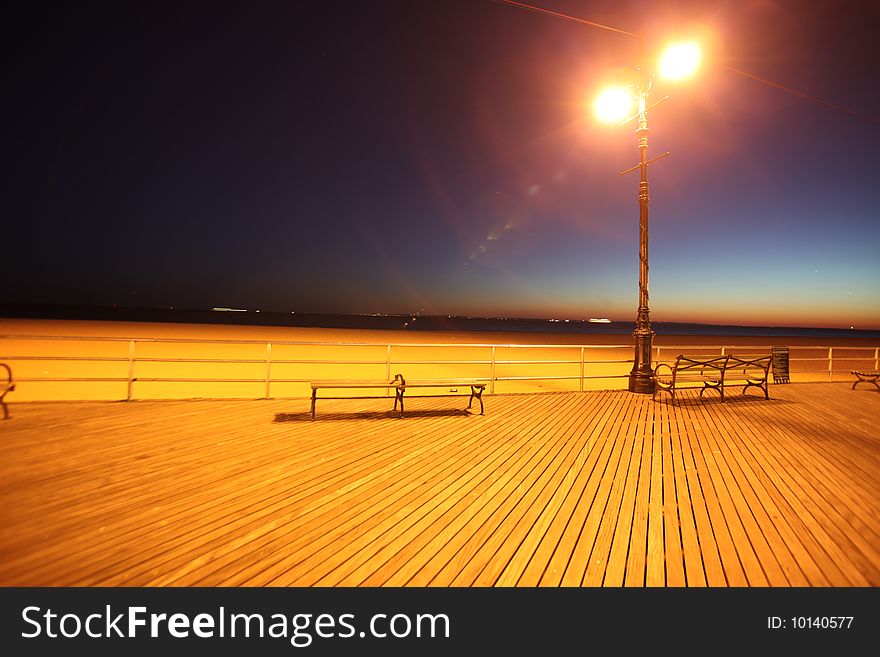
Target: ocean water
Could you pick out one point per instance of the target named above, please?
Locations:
(415, 322)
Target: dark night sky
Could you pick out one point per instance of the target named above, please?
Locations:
(440, 155)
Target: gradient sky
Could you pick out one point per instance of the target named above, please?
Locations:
(441, 156)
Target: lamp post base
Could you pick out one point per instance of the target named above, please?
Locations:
(641, 378)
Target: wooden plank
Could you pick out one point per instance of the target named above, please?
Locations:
(372, 551)
(563, 489)
(704, 504)
(821, 517)
(528, 529)
(465, 461)
(831, 460)
(797, 563)
(569, 561)
(629, 543)
(741, 566)
(527, 565)
(600, 526)
(827, 478)
(759, 556)
(551, 555)
(222, 529)
(354, 513)
(402, 564)
(664, 565)
(699, 558)
(460, 567)
(204, 518)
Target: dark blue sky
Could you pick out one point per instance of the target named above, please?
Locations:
(440, 156)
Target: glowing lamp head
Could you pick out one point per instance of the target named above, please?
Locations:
(614, 105)
(679, 61)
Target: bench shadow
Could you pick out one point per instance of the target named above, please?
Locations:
(755, 399)
(730, 400)
(371, 415)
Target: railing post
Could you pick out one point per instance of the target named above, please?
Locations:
(387, 368)
(492, 373)
(130, 370)
(268, 368)
(830, 364)
(582, 369)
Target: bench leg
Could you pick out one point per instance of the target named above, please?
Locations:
(669, 391)
(314, 397)
(398, 397)
(861, 379)
(760, 386)
(478, 393)
(711, 386)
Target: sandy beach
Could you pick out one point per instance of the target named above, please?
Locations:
(67, 360)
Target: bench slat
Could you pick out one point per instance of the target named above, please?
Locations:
(354, 384)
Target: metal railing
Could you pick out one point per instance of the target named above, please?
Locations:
(62, 367)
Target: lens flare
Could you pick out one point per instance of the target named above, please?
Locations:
(679, 61)
(614, 105)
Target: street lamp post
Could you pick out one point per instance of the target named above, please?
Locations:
(641, 377)
(678, 61)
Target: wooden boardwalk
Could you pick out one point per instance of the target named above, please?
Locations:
(562, 489)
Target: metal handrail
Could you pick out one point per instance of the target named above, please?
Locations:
(390, 362)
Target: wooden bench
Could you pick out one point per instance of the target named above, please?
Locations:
(6, 386)
(717, 373)
(399, 385)
(866, 377)
(687, 371)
